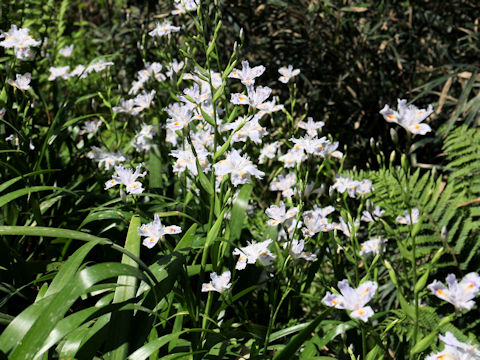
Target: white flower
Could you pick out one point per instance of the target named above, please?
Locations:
(268, 107)
(364, 187)
(408, 117)
(180, 115)
(346, 228)
(268, 151)
(406, 219)
(66, 51)
(186, 160)
(284, 184)
(252, 252)
(293, 157)
(310, 145)
(61, 71)
(128, 178)
(155, 230)
(287, 73)
(174, 67)
(142, 102)
(353, 299)
(455, 350)
(125, 106)
(251, 129)
(143, 139)
(343, 184)
(296, 250)
(278, 214)
(318, 211)
(90, 127)
(239, 167)
(247, 75)
(183, 7)
(79, 71)
(458, 294)
(256, 97)
(314, 224)
(203, 139)
(104, 157)
(218, 283)
(372, 216)
(98, 66)
(164, 28)
(22, 82)
(19, 40)
(311, 126)
(371, 246)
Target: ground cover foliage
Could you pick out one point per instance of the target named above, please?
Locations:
(172, 195)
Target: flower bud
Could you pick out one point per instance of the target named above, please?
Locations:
(394, 135)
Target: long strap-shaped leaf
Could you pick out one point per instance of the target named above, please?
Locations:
(60, 303)
(120, 324)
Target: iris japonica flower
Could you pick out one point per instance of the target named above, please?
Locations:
(128, 178)
(353, 299)
(312, 127)
(19, 40)
(406, 219)
(458, 294)
(218, 283)
(181, 7)
(22, 82)
(247, 75)
(154, 231)
(61, 71)
(109, 159)
(143, 139)
(164, 28)
(372, 216)
(278, 214)
(371, 246)
(269, 151)
(315, 224)
(296, 251)
(284, 184)
(252, 252)
(409, 117)
(66, 51)
(239, 167)
(90, 127)
(455, 350)
(287, 73)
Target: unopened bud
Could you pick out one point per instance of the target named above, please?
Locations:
(394, 135)
(372, 143)
(240, 34)
(444, 234)
(392, 157)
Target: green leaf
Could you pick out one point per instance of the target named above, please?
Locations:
(239, 212)
(5, 199)
(10, 182)
(291, 348)
(187, 239)
(48, 316)
(146, 350)
(424, 343)
(120, 324)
